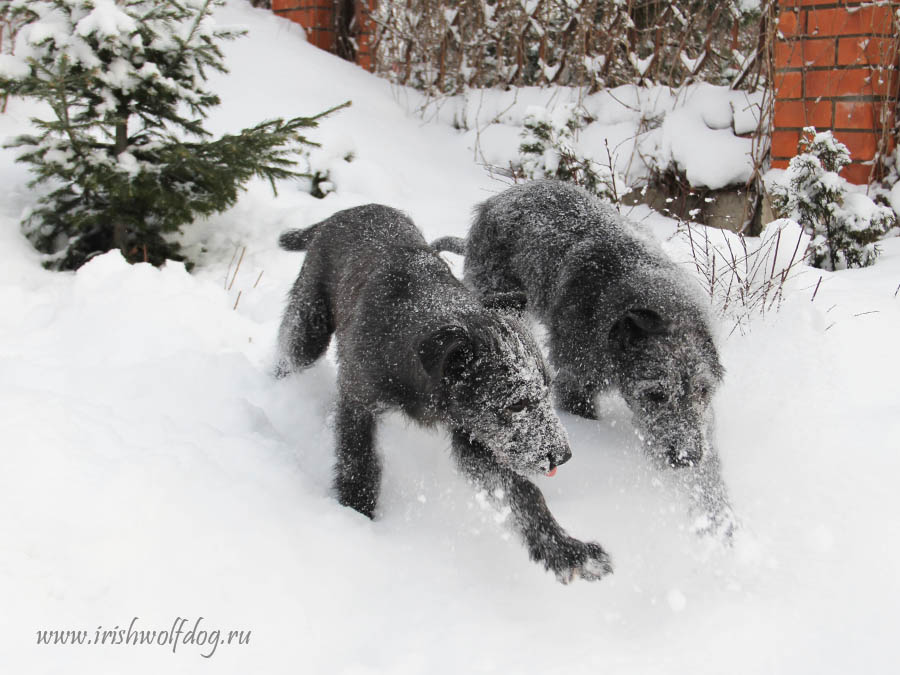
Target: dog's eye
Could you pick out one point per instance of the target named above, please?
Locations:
(656, 396)
(518, 406)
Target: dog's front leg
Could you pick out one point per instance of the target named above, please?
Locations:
(357, 471)
(547, 542)
(709, 499)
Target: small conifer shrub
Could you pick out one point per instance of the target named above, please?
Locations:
(844, 225)
(124, 160)
(548, 150)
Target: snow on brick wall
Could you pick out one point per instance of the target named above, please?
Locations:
(836, 65)
(320, 18)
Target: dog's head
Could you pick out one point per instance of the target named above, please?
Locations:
(667, 373)
(490, 383)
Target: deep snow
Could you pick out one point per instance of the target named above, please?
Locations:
(153, 468)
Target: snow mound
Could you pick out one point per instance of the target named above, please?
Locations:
(700, 131)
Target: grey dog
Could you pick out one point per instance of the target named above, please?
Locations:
(619, 313)
(411, 336)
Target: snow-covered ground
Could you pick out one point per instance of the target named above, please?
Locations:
(152, 468)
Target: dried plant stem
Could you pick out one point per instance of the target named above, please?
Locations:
(741, 282)
(237, 267)
(228, 271)
(819, 283)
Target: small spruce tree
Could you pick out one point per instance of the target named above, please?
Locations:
(844, 225)
(125, 155)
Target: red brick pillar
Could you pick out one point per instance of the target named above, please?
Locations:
(836, 68)
(365, 34)
(319, 18)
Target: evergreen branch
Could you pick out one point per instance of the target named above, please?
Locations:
(184, 43)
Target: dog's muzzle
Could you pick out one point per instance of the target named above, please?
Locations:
(558, 460)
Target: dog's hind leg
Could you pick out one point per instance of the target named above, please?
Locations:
(357, 471)
(546, 541)
(306, 326)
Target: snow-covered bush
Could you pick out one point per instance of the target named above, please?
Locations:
(844, 225)
(325, 167)
(548, 150)
(125, 155)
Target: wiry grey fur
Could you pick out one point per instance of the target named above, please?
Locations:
(410, 336)
(620, 315)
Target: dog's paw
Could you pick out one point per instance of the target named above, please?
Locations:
(720, 526)
(587, 561)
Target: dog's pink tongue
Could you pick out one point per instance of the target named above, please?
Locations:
(552, 472)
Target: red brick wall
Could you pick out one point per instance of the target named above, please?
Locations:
(836, 68)
(318, 18)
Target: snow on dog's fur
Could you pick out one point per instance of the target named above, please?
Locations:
(619, 313)
(410, 336)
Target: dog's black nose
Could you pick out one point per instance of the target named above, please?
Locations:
(559, 460)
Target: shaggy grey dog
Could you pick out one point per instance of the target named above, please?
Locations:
(619, 313)
(410, 336)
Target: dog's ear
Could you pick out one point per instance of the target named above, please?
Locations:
(442, 349)
(637, 324)
(718, 370)
(510, 301)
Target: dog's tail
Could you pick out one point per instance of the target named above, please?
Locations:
(455, 245)
(299, 239)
